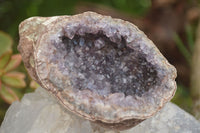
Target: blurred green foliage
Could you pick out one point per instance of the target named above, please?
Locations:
(14, 78)
(186, 50)
(183, 98)
(5, 42)
(11, 81)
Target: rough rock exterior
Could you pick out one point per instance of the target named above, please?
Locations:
(39, 112)
(100, 68)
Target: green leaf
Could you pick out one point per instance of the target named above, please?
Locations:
(14, 79)
(4, 59)
(13, 63)
(184, 51)
(7, 94)
(5, 42)
(190, 36)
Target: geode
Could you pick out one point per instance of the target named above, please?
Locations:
(103, 69)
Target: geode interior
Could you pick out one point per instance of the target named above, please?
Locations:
(96, 63)
(103, 69)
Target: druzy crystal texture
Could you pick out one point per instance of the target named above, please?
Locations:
(103, 69)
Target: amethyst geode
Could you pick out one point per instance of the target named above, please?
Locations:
(103, 69)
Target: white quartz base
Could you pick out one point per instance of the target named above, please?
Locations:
(39, 112)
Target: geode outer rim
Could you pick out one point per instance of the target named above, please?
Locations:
(90, 16)
(162, 102)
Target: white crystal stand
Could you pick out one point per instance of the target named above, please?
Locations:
(39, 112)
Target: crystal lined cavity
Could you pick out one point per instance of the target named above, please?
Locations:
(94, 62)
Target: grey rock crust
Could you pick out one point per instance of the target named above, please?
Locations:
(39, 112)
